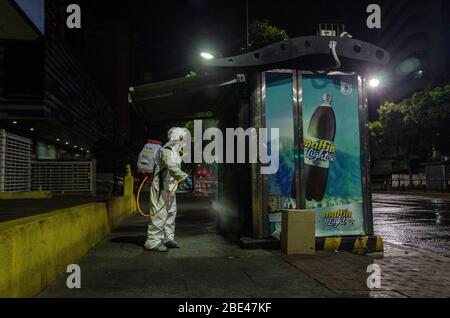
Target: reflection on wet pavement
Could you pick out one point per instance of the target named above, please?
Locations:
(412, 220)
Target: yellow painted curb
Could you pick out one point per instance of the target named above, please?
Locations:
(360, 245)
(25, 195)
(354, 244)
(35, 250)
(380, 244)
(332, 243)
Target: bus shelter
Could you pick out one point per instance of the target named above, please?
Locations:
(312, 89)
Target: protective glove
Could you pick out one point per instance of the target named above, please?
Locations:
(188, 182)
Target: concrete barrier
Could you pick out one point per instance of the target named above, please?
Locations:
(35, 250)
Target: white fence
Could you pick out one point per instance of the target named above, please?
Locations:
(64, 176)
(15, 163)
(407, 181)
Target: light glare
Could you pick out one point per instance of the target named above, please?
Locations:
(207, 56)
(374, 82)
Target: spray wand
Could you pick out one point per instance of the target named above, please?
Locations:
(204, 196)
(150, 214)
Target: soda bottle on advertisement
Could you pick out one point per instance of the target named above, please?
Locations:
(319, 149)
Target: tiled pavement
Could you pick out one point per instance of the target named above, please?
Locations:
(405, 272)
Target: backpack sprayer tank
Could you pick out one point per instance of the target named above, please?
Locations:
(148, 156)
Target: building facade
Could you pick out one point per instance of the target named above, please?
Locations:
(46, 95)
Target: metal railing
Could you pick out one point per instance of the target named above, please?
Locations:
(64, 176)
(15, 163)
(403, 183)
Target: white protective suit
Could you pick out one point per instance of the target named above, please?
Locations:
(168, 174)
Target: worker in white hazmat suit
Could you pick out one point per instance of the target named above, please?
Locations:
(168, 174)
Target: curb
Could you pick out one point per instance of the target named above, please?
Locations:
(354, 244)
(25, 195)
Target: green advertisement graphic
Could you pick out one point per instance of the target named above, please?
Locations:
(279, 114)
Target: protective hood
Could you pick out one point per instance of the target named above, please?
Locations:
(176, 133)
(177, 138)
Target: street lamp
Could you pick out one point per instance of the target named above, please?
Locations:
(374, 82)
(207, 56)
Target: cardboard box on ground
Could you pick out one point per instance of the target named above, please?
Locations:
(298, 232)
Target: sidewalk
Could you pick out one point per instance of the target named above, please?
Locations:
(208, 265)
(405, 272)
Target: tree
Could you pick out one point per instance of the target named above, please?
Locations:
(430, 110)
(192, 74)
(261, 34)
(389, 134)
(376, 139)
(414, 127)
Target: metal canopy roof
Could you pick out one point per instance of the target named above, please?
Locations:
(181, 98)
(310, 53)
(189, 98)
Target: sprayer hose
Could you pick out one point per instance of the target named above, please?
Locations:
(150, 214)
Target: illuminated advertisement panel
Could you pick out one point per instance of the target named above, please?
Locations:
(279, 114)
(332, 154)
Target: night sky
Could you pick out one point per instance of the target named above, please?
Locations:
(165, 37)
(170, 34)
(179, 29)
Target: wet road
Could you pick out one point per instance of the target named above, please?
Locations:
(413, 220)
